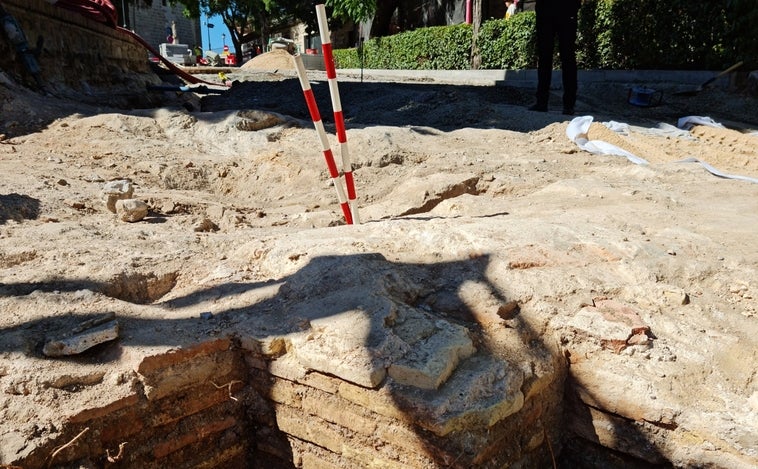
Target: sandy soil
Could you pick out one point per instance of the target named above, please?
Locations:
(225, 174)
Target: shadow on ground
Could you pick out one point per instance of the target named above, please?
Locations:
(18, 207)
(328, 287)
(445, 107)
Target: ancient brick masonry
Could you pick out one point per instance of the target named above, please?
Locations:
(182, 413)
(321, 421)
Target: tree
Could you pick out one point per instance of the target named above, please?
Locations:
(260, 17)
(476, 55)
(355, 10)
(743, 16)
(237, 15)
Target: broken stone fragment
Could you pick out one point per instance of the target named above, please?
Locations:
(131, 210)
(638, 339)
(117, 190)
(615, 324)
(508, 310)
(83, 337)
(206, 225)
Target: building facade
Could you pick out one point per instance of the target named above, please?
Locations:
(156, 23)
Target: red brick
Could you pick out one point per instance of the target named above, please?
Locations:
(98, 412)
(192, 401)
(194, 435)
(118, 430)
(157, 362)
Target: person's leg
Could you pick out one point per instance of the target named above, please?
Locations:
(545, 45)
(567, 49)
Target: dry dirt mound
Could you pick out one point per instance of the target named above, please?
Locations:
(277, 59)
(729, 150)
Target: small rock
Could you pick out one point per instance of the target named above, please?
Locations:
(131, 210)
(205, 226)
(638, 339)
(676, 296)
(168, 207)
(93, 178)
(83, 337)
(117, 190)
(257, 120)
(78, 205)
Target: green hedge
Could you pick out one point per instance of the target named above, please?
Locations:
(509, 44)
(435, 48)
(613, 34)
(651, 34)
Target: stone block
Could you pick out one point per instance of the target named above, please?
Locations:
(168, 373)
(337, 345)
(339, 411)
(155, 363)
(314, 430)
(286, 392)
(379, 400)
(481, 392)
(434, 359)
(402, 436)
(289, 368)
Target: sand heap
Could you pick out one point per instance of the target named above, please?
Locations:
(277, 59)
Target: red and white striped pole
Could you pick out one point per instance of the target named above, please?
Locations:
(339, 120)
(310, 100)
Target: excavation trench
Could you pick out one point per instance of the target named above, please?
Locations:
(221, 404)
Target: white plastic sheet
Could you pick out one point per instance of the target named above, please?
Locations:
(577, 133)
(690, 121)
(579, 126)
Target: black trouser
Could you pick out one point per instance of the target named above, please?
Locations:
(550, 25)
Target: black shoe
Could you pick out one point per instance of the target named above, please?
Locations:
(538, 107)
(568, 111)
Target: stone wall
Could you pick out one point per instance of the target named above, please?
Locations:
(151, 24)
(80, 58)
(320, 421)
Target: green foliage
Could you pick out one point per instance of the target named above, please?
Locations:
(509, 44)
(742, 16)
(347, 58)
(356, 10)
(435, 48)
(612, 34)
(650, 34)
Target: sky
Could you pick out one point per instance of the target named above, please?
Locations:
(216, 38)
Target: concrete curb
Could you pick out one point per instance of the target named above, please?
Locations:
(528, 78)
(515, 78)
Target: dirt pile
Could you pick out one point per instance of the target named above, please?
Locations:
(276, 59)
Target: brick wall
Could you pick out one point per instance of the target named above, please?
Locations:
(217, 404)
(187, 410)
(320, 421)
